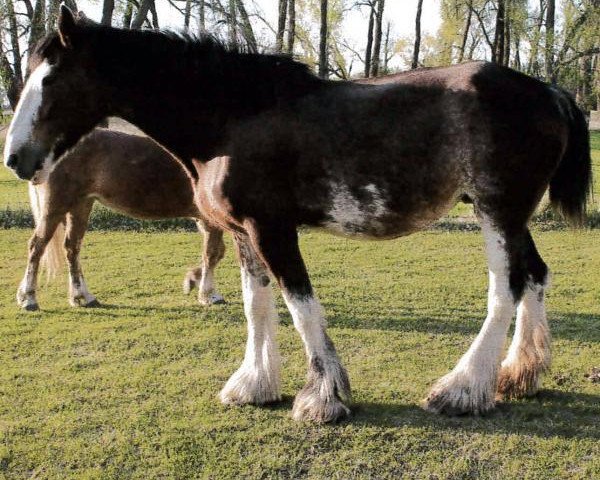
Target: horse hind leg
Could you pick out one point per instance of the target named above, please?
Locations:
(471, 386)
(529, 354)
(203, 277)
(77, 222)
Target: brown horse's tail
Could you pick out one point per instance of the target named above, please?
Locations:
(571, 185)
(53, 258)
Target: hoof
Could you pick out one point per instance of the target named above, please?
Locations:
(93, 304)
(516, 382)
(212, 299)
(452, 398)
(309, 406)
(31, 307)
(245, 388)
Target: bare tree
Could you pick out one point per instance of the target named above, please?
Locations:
(369, 47)
(52, 14)
(291, 25)
(141, 14)
(107, 12)
(37, 28)
(466, 30)
(415, 59)
(14, 42)
(232, 22)
(281, 25)
(375, 59)
(11, 84)
(247, 31)
(498, 50)
(128, 15)
(201, 16)
(323, 70)
(549, 47)
(187, 14)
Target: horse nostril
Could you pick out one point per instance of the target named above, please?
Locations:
(12, 161)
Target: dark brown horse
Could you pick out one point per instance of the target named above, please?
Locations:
(273, 147)
(114, 169)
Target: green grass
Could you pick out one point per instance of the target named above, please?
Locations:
(129, 390)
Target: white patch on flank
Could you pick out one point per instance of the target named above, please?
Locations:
(349, 215)
(257, 381)
(21, 127)
(471, 386)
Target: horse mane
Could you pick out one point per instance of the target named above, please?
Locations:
(194, 56)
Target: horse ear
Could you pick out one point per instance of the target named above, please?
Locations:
(66, 26)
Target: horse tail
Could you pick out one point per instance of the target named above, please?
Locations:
(53, 259)
(571, 185)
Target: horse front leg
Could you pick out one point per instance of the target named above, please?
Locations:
(203, 277)
(44, 231)
(257, 381)
(322, 398)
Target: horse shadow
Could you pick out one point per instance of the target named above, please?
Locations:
(551, 413)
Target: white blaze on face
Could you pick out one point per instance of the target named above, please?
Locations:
(21, 127)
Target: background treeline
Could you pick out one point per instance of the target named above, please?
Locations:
(558, 41)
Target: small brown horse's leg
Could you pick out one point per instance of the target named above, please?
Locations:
(77, 222)
(203, 276)
(26, 294)
(328, 387)
(257, 381)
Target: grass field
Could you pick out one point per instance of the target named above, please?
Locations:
(129, 390)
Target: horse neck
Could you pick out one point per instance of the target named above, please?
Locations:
(187, 106)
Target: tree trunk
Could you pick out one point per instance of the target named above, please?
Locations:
(201, 17)
(369, 49)
(247, 27)
(107, 12)
(12, 85)
(154, 15)
(323, 70)
(128, 15)
(14, 41)
(507, 34)
(498, 51)
(291, 26)
(550, 41)
(232, 23)
(186, 15)
(281, 25)
(386, 49)
(467, 29)
(38, 24)
(377, 40)
(52, 15)
(415, 59)
(141, 14)
(532, 65)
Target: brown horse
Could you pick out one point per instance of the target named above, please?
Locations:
(114, 169)
(272, 147)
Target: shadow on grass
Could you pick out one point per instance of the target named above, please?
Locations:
(568, 326)
(550, 413)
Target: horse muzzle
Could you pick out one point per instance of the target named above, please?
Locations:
(26, 161)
